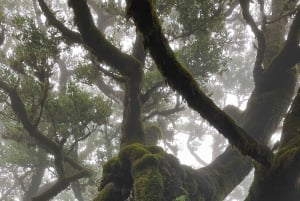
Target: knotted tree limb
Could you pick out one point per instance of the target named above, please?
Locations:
(181, 80)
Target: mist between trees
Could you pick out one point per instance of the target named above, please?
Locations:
(105, 100)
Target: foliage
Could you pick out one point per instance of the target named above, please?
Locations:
(76, 102)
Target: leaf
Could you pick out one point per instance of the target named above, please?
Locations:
(180, 198)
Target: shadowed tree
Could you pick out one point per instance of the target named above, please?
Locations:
(144, 172)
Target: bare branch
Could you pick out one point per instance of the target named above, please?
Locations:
(165, 113)
(281, 16)
(145, 97)
(261, 47)
(57, 187)
(116, 77)
(198, 159)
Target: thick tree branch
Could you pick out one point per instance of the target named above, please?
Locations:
(182, 81)
(67, 33)
(57, 187)
(98, 45)
(128, 66)
(293, 36)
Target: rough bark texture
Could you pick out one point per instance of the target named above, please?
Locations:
(128, 66)
(152, 174)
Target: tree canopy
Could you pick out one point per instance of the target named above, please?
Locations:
(95, 94)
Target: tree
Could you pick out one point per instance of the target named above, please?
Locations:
(146, 172)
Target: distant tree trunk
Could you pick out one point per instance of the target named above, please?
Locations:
(35, 182)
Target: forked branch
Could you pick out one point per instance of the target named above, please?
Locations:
(261, 42)
(181, 80)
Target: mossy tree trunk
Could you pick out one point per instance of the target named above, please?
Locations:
(153, 175)
(268, 103)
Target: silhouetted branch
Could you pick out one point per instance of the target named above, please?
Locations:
(165, 113)
(116, 77)
(281, 16)
(261, 42)
(145, 97)
(57, 187)
(67, 33)
(195, 155)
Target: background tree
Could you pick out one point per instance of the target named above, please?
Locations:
(58, 84)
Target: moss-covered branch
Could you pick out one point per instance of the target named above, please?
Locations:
(67, 33)
(128, 66)
(98, 45)
(182, 81)
(280, 181)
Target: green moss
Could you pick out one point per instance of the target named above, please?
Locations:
(148, 160)
(109, 193)
(191, 185)
(144, 162)
(155, 150)
(112, 165)
(148, 185)
(152, 174)
(133, 152)
(285, 156)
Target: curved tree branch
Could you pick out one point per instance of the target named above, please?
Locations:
(67, 33)
(182, 81)
(128, 66)
(261, 42)
(57, 187)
